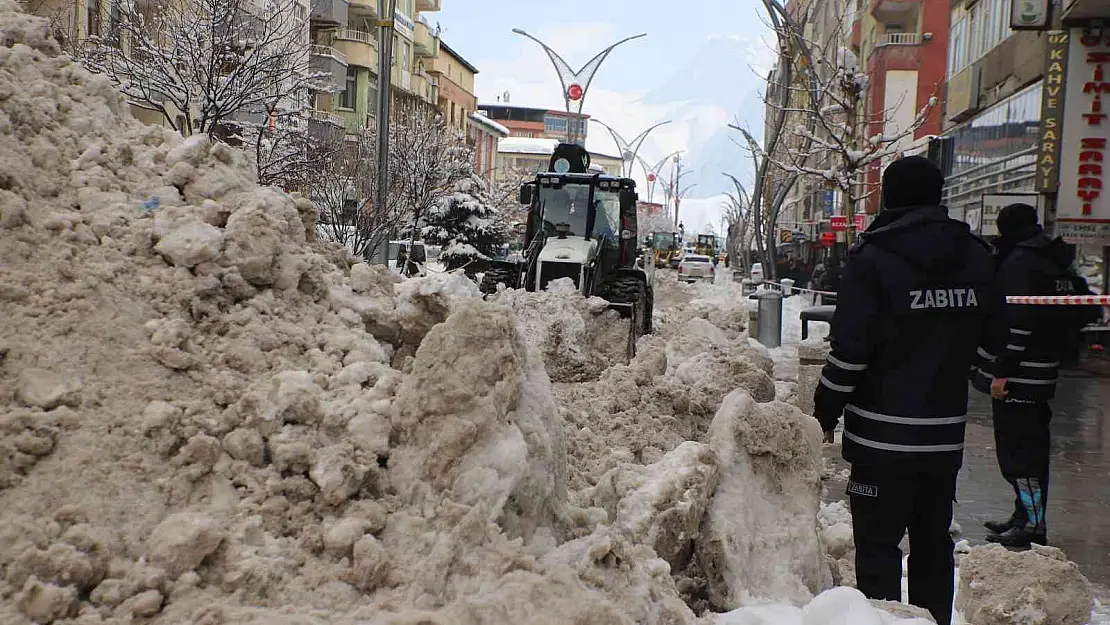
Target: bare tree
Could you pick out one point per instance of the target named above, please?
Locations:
(429, 158)
(833, 140)
(204, 63)
(342, 183)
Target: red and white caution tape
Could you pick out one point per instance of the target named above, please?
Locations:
(779, 286)
(1059, 300)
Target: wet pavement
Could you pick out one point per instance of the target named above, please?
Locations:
(1079, 495)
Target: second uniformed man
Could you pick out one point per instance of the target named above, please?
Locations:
(911, 308)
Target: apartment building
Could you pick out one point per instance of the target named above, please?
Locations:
(456, 87)
(529, 155)
(484, 134)
(345, 46)
(536, 123)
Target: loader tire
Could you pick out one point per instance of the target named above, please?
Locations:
(495, 276)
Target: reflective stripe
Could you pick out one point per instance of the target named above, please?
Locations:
(867, 414)
(985, 354)
(1020, 332)
(847, 366)
(1023, 380)
(1016, 348)
(837, 387)
(1039, 365)
(908, 448)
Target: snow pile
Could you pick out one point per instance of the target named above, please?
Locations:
(578, 337)
(1035, 587)
(760, 538)
(206, 419)
(834, 522)
(837, 606)
(667, 394)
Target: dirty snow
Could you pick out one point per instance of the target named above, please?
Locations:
(207, 417)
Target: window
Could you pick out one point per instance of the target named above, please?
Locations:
(980, 30)
(350, 90)
(92, 14)
(372, 97)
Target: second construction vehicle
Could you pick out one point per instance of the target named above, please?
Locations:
(581, 226)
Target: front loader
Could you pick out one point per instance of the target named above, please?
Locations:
(582, 226)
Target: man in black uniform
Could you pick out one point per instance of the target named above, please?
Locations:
(911, 309)
(1020, 362)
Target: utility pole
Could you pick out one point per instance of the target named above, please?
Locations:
(387, 10)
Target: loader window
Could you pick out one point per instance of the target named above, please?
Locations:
(567, 205)
(608, 223)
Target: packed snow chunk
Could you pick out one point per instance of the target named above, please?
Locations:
(835, 523)
(475, 421)
(662, 504)
(760, 536)
(296, 397)
(578, 337)
(1035, 587)
(46, 603)
(262, 226)
(191, 243)
(182, 541)
(376, 280)
(336, 474)
(39, 388)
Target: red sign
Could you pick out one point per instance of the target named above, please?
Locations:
(649, 208)
(838, 223)
(861, 222)
(827, 239)
(574, 92)
(651, 177)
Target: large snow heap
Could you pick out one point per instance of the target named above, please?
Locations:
(208, 418)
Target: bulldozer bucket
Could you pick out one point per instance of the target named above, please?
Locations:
(628, 312)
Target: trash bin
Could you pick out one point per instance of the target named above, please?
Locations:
(769, 332)
(787, 287)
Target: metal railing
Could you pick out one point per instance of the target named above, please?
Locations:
(899, 39)
(325, 116)
(350, 34)
(327, 51)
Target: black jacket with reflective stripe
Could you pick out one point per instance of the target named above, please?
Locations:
(910, 313)
(1025, 343)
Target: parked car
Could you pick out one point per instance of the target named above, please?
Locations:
(694, 267)
(757, 273)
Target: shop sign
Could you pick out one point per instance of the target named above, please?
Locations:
(829, 203)
(838, 223)
(786, 236)
(861, 222)
(986, 218)
(1083, 205)
(1030, 14)
(1052, 112)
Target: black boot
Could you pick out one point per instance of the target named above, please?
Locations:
(1033, 530)
(1000, 527)
(1017, 517)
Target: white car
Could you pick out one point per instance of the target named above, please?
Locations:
(757, 273)
(694, 267)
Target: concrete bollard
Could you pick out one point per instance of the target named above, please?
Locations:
(811, 359)
(787, 287)
(770, 319)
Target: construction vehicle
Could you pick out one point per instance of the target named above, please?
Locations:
(706, 245)
(665, 247)
(581, 225)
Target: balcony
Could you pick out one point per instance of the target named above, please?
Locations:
(331, 62)
(324, 125)
(898, 39)
(425, 87)
(364, 8)
(329, 12)
(896, 51)
(428, 5)
(884, 10)
(425, 41)
(359, 47)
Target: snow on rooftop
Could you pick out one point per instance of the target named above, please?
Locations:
(485, 121)
(527, 145)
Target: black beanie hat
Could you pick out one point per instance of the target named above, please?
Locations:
(912, 181)
(1016, 219)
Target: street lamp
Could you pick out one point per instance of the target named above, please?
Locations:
(653, 174)
(575, 83)
(629, 150)
(387, 11)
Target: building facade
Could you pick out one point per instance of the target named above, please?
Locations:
(344, 45)
(526, 155)
(456, 87)
(484, 134)
(536, 123)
